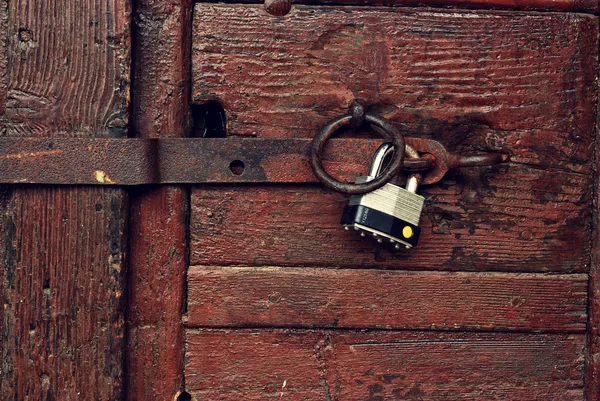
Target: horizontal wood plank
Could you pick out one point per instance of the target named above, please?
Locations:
(514, 218)
(526, 79)
(316, 365)
(558, 5)
(306, 297)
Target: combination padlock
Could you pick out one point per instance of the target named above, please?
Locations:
(390, 213)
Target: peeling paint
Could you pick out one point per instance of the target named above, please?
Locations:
(102, 177)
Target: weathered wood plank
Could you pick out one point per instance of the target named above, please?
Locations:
(305, 297)
(65, 68)
(559, 5)
(508, 219)
(466, 367)
(63, 274)
(253, 365)
(159, 247)
(68, 67)
(158, 262)
(527, 78)
(592, 377)
(315, 365)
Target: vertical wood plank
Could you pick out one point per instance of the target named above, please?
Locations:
(63, 292)
(158, 260)
(67, 67)
(159, 215)
(65, 71)
(592, 378)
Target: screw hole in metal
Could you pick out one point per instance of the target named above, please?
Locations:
(237, 167)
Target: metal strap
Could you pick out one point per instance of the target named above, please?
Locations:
(136, 161)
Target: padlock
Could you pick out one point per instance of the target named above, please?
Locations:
(390, 213)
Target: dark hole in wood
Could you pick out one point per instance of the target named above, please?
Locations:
(209, 120)
(184, 396)
(237, 167)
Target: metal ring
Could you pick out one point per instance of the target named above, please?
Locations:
(389, 132)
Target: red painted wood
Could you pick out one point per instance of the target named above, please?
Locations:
(63, 291)
(592, 377)
(65, 68)
(331, 365)
(468, 367)
(159, 215)
(305, 297)
(526, 79)
(426, 69)
(558, 5)
(514, 219)
(158, 260)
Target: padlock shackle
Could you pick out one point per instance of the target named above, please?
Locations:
(412, 183)
(378, 158)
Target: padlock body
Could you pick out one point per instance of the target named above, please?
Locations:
(390, 213)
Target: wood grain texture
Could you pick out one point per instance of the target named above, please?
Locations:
(508, 219)
(253, 365)
(158, 263)
(65, 69)
(62, 269)
(159, 215)
(305, 297)
(516, 73)
(558, 5)
(316, 365)
(161, 69)
(68, 68)
(592, 377)
(467, 367)
(526, 81)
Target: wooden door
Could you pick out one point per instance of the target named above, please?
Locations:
(283, 303)
(247, 292)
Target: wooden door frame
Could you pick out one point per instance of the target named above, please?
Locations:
(158, 235)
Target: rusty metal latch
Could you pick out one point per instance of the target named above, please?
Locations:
(136, 161)
(442, 159)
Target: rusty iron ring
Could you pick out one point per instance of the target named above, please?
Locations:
(387, 130)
